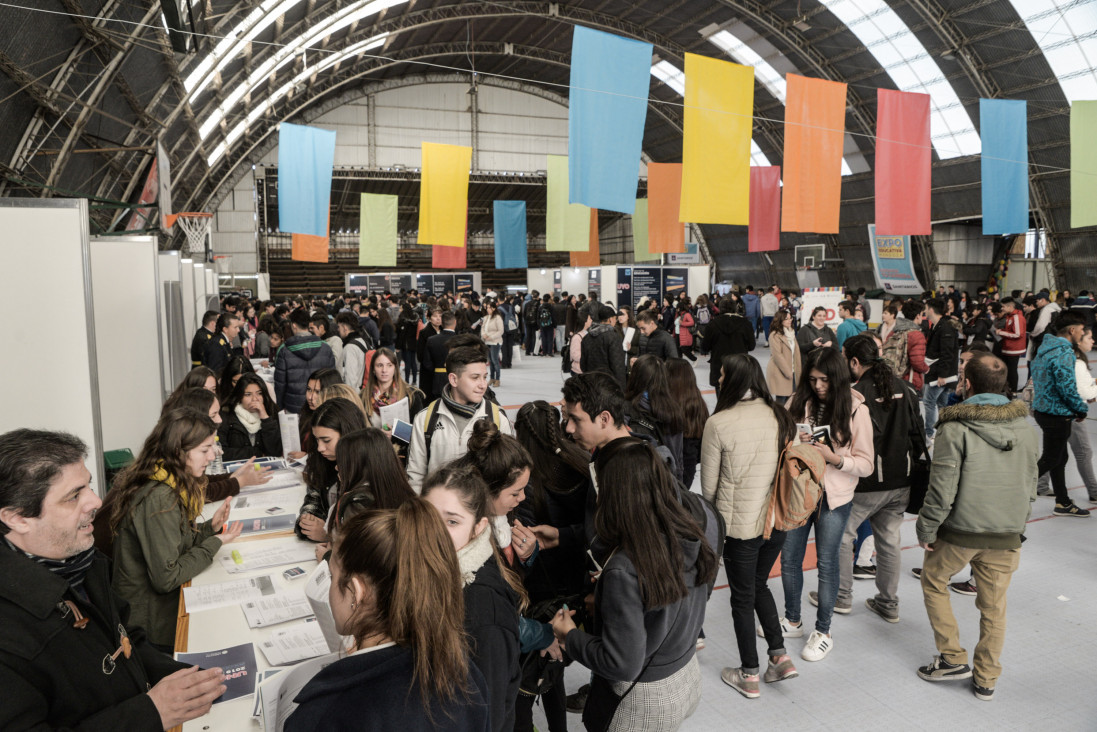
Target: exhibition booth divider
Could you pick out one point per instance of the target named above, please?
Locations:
(377, 283)
(623, 284)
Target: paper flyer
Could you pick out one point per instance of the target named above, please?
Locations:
(237, 663)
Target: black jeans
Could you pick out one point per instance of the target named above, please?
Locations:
(1011, 372)
(508, 348)
(1054, 458)
(553, 702)
(748, 562)
(548, 340)
(531, 338)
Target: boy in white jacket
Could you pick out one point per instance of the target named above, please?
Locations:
(451, 418)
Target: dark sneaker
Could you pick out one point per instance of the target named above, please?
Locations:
(982, 693)
(917, 572)
(577, 701)
(842, 608)
(942, 670)
(892, 616)
(1070, 510)
(742, 683)
(780, 669)
(964, 588)
(864, 572)
(1045, 492)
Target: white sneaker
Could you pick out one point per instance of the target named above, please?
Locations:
(818, 646)
(788, 630)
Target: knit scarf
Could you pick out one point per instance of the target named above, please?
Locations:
(473, 555)
(381, 399)
(461, 410)
(249, 420)
(192, 504)
(73, 570)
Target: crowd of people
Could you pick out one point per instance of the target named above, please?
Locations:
(473, 560)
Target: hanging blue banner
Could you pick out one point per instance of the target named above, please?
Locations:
(1003, 126)
(610, 78)
(510, 234)
(305, 159)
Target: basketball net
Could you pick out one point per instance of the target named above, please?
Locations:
(196, 225)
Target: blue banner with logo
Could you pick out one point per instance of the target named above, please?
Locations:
(305, 159)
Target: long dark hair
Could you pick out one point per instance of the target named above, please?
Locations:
(742, 373)
(682, 382)
(638, 505)
(366, 461)
(537, 427)
(499, 458)
(863, 348)
(237, 366)
(195, 398)
(837, 410)
(340, 415)
(648, 376)
(237, 394)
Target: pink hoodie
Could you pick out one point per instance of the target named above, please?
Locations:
(859, 456)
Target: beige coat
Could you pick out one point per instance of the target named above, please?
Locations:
(491, 330)
(783, 370)
(739, 455)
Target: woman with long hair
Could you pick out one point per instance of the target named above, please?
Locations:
(625, 320)
(234, 369)
(825, 398)
(491, 330)
(395, 588)
(330, 422)
(341, 391)
(407, 333)
(199, 377)
(682, 383)
(815, 334)
(386, 328)
(493, 594)
(369, 471)
(683, 322)
(649, 601)
(655, 413)
(319, 380)
(385, 387)
(250, 427)
(783, 370)
(743, 442)
(158, 544)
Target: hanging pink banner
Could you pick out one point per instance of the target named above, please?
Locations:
(903, 156)
(764, 232)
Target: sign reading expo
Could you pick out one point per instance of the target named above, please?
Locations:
(892, 265)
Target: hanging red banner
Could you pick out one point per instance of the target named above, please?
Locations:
(764, 232)
(904, 179)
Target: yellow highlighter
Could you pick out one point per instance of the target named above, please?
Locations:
(237, 557)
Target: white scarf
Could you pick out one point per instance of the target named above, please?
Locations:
(502, 531)
(473, 555)
(251, 421)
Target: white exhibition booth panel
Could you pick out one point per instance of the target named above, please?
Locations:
(174, 336)
(200, 299)
(211, 285)
(126, 296)
(189, 326)
(51, 383)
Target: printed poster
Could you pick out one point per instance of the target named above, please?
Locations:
(892, 264)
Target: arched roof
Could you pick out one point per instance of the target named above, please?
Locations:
(88, 86)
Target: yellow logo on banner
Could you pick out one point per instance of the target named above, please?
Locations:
(890, 247)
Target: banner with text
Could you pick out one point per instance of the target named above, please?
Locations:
(892, 264)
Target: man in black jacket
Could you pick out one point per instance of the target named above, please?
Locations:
(602, 348)
(654, 340)
(881, 498)
(943, 357)
(434, 357)
(202, 337)
(218, 349)
(727, 334)
(67, 657)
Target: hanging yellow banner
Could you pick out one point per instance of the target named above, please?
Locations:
(444, 194)
(716, 142)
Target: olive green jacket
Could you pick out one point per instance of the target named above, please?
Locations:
(155, 552)
(983, 479)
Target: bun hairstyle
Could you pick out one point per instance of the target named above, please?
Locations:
(406, 557)
(499, 458)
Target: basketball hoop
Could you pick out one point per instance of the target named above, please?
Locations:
(223, 263)
(196, 225)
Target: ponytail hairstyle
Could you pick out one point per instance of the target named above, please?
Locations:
(648, 376)
(863, 348)
(539, 430)
(472, 492)
(837, 408)
(177, 433)
(638, 512)
(342, 416)
(498, 458)
(743, 374)
(406, 557)
(367, 463)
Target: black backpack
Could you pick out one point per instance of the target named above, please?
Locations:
(545, 316)
(530, 312)
(565, 361)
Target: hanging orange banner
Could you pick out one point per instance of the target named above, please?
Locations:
(591, 257)
(666, 234)
(308, 248)
(815, 119)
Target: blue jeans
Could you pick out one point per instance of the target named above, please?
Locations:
(829, 525)
(767, 320)
(934, 398)
(493, 360)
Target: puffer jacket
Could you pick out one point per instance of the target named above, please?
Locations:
(726, 335)
(858, 454)
(1055, 388)
(301, 355)
(602, 350)
(491, 330)
(983, 480)
(739, 453)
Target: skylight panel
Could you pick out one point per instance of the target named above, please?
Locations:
(1066, 31)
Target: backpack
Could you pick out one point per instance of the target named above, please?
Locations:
(703, 315)
(896, 354)
(544, 316)
(703, 512)
(565, 364)
(797, 488)
(365, 344)
(530, 312)
(431, 423)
